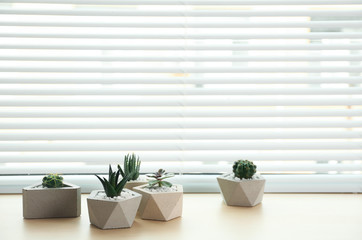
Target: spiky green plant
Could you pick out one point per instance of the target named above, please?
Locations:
(132, 165)
(158, 177)
(244, 169)
(53, 181)
(112, 187)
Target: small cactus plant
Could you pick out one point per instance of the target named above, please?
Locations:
(53, 181)
(112, 187)
(244, 169)
(132, 165)
(159, 177)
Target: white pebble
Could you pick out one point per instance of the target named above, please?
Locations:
(231, 176)
(162, 189)
(124, 195)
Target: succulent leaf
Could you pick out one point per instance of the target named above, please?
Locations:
(152, 183)
(131, 165)
(120, 170)
(112, 187)
(158, 179)
(110, 171)
(122, 183)
(167, 184)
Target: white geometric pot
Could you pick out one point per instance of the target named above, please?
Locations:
(114, 213)
(162, 206)
(245, 193)
(135, 183)
(39, 202)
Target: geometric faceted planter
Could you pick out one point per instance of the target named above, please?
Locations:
(39, 202)
(113, 213)
(135, 183)
(245, 193)
(161, 206)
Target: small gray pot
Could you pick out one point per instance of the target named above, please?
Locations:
(162, 206)
(39, 202)
(111, 213)
(244, 193)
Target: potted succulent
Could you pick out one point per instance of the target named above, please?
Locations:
(52, 198)
(132, 164)
(114, 206)
(243, 187)
(161, 200)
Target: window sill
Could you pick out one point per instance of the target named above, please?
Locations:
(205, 216)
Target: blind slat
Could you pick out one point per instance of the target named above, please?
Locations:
(173, 123)
(209, 13)
(236, 47)
(153, 145)
(216, 134)
(143, 101)
(209, 168)
(190, 2)
(179, 80)
(314, 35)
(113, 112)
(353, 69)
(94, 157)
(184, 59)
(181, 91)
(189, 24)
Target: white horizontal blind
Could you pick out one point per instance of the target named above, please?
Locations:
(188, 85)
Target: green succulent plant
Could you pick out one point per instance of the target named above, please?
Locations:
(158, 177)
(131, 165)
(112, 187)
(244, 169)
(53, 181)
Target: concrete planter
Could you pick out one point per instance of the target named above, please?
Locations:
(245, 193)
(131, 184)
(109, 214)
(162, 206)
(41, 202)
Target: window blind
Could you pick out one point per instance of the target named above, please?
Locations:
(188, 85)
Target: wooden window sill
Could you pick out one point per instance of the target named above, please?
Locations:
(205, 216)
